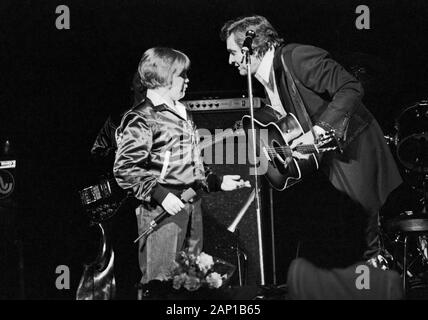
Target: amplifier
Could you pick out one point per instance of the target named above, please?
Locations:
(221, 208)
(7, 172)
(204, 105)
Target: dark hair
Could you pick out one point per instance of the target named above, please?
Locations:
(158, 65)
(266, 36)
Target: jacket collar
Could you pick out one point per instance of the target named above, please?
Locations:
(147, 103)
(280, 79)
(158, 100)
(264, 71)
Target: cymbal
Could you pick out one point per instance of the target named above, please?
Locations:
(409, 223)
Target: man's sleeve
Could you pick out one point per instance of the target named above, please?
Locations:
(314, 68)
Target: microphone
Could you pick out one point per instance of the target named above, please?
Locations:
(186, 196)
(248, 42)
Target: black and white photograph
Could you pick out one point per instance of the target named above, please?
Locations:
(213, 158)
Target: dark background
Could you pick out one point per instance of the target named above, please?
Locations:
(58, 86)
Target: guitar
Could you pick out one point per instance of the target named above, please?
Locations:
(98, 281)
(103, 200)
(277, 158)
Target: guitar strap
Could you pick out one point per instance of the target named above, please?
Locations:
(295, 94)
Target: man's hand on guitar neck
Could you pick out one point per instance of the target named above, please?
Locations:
(305, 139)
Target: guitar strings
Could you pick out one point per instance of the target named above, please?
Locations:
(283, 148)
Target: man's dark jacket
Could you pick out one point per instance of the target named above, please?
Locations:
(366, 170)
(331, 95)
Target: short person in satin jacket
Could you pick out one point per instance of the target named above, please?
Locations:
(331, 97)
(158, 158)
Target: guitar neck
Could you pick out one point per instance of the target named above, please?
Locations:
(219, 137)
(306, 149)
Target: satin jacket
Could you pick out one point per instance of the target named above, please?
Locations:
(158, 149)
(331, 95)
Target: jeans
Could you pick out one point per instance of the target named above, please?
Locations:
(157, 252)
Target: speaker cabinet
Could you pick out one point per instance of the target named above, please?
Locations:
(222, 208)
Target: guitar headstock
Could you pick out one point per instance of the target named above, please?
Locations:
(237, 125)
(209, 140)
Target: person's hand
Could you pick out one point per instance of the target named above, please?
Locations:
(305, 139)
(233, 182)
(172, 204)
(319, 132)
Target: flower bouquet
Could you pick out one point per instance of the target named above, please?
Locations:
(196, 271)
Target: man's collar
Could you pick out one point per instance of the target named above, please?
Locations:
(156, 98)
(264, 70)
(160, 104)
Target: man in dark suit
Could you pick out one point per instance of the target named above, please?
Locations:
(305, 81)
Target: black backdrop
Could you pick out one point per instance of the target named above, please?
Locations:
(58, 86)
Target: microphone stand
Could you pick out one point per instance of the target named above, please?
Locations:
(233, 228)
(247, 58)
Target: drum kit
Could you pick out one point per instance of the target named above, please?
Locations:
(405, 238)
